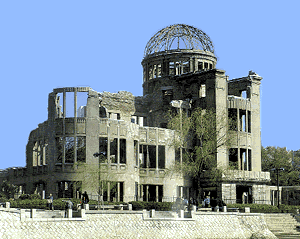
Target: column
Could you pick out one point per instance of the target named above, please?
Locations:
(156, 190)
(108, 191)
(75, 124)
(156, 160)
(118, 195)
(147, 193)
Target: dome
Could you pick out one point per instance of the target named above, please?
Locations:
(179, 36)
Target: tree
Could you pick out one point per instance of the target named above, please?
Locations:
(8, 190)
(200, 137)
(276, 157)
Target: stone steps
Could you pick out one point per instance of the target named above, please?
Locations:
(281, 223)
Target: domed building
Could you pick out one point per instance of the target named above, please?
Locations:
(117, 145)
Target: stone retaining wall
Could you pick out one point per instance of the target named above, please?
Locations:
(122, 224)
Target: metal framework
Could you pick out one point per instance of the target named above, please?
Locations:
(188, 36)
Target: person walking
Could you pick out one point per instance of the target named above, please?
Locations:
(50, 202)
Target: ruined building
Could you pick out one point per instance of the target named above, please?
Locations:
(122, 141)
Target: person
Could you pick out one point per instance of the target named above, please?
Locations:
(213, 203)
(68, 205)
(85, 198)
(50, 202)
(221, 204)
(207, 201)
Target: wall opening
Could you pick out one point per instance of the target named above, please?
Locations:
(167, 96)
(161, 156)
(249, 121)
(233, 159)
(69, 104)
(249, 160)
(69, 149)
(59, 105)
(123, 151)
(59, 149)
(202, 91)
(81, 103)
(143, 157)
(152, 156)
(232, 116)
(243, 120)
(136, 152)
(114, 150)
(243, 159)
(81, 148)
(103, 149)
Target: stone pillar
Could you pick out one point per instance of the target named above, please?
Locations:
(152, 213)
(33, 213)
(118, 188)
(22, 215)
(147, 193)
(108, 191)
(181, 213)
(86, 207)
(129, 207)
(7, 205)
(156, 191)
(69, 213)
(82, 213)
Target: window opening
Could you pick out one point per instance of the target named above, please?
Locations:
(123, 151)
(200, 65)
(186, 66)
(69, 104)
(136, 152)
(249, 160)
(81, 148)
(159, 70)
(171, 68)
(152, 156)
(243, 120)
(69, 149)
(150, 76)
(114, 150)
(154, 71)
(232, 116)
(167, 96)
(103, 149)
(118, 116)
(244, 94)
(143, 156)
(59, 105)
(243, 158)
(81, 103)
(177, 155)
(202, 91)
(59, 149)
(205, 65)
(233, 159)
(249, 121)
(161, 156)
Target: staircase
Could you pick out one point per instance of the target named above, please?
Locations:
(282, 223)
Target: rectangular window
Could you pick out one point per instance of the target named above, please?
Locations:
(103, 149)
(243, 120)
(232, 116)
(202, 91)
(161, 156)
(200, 66)
(69, 104)
(249, 121)
(59, 149)
(167, 96)
(69, 147)
(59, 105)
(243, 158)
(136, 152)
(114, 150)
(152, 156)
(249, 160)
(81, 148)
(205, 65)
(233, 159)
(123, 151)
(143, 152)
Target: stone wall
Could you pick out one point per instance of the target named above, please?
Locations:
(117, 224)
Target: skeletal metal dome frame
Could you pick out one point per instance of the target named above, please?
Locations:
(192, 37)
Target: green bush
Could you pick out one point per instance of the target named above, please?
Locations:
(29, 196)
(265, 208)
(158, 206)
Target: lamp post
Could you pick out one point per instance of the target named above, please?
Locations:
(277, 170)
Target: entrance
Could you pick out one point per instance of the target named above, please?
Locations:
(243, 194)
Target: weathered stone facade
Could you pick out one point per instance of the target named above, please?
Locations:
(119, 143)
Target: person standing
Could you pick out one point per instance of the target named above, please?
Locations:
(85, 198)
(207, 201)
(50, 202)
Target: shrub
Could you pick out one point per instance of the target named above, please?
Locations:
(265, 208)
(158, 206)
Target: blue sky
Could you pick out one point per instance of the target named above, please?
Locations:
(51, 44)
